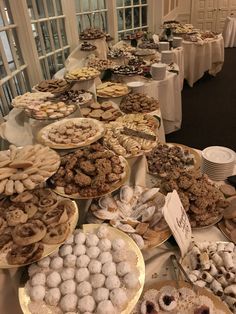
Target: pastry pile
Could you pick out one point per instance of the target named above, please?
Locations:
(101, 64)
(91, 273)
(136, 211)
(106, 111)
(81, 74)
(147, 44)
(25, 168)
(212, 265)
(30, 220)
(53, 86)
(139, 119)
(31, 100)
(138, 103)
(172, 300)
(89, 172)
(129, 139)
(85, 46)
(115, 53)
(91, 33)
(79, 97)
(126, 70)
(76, 132)
(110, 89)
(203, 201)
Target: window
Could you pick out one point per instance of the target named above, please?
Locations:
(91, 13)
(49, 32)
(131, 15)
(13, 75)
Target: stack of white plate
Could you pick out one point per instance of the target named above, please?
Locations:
(218, 162)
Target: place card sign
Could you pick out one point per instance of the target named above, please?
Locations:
(177, 219)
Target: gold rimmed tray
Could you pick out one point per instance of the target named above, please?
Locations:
(219, 305)
(24, 298)
(113, 186)
(224, 230)
(217, 220)
(48, 248)
(43, 138)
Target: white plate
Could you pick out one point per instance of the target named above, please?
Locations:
(219, 154)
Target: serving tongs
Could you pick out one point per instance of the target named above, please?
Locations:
(178, 266)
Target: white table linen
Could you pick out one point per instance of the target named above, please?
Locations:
(199, 58)
(179, 60)
(229, 32)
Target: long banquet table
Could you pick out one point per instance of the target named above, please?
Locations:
(202, 57)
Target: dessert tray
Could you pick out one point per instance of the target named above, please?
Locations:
(71, 133)
(90, 172)
(53, 86)
(91, 33)
(212, 265)
(139, 119)
(25, 168)
(101, 64)
(171, 297)
(128, 70)
(227, 225)
(138, 103)
(30, 100)
(80, 97)
(106, 111)
(109, 275)
(112, 90)
(33, 224)
(82, 74)
(129, 139)
(85, 46)
(136, 211)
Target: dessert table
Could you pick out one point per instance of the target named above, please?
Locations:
(229, 32)
(202, 57)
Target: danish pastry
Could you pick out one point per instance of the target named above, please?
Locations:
(29, 233)
(56, 234)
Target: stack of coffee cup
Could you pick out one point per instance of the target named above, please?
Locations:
(136, 86)
(163, 45)
(158, 71)
(167, 56)
(177, 42)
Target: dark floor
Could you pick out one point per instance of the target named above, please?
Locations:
(209, 109)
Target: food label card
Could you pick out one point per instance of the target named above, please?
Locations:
(177, 219)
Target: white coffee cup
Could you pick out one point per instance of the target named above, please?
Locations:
(167, 56)
(136, 86)
(164, 45)
(158, 71)
(177, 42)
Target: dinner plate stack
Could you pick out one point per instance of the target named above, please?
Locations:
(218, 162)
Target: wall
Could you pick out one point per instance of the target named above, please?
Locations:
(184, 11)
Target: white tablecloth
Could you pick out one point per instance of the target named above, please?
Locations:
(199, 58)
(229, 32)
(179, 59)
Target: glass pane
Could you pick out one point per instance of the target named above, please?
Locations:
(58, 6)
(55, 34)
(7, 50)
(60, 62)
(135, 2)
(1, 20)
(44, 69)
(144, 16)
(128, 18)
(79, 21)
(16, 45)
(77, 6)
(66, 52)
(46, 37)
(87, 22)
(85, 5)
(52, 65)
(8, 14)
(144, 1)
(120, 19)
(36, 38)
(30, 9)
(3, 72)
(136, 17)
(102, 4)
(127, 2)
(94, 6)
(104, 21)
(40, 8)
(7, 92)
(63, 31)
(99, 20)
(119, 3)
(50, 8)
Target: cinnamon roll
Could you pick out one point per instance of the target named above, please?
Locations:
(15, 217)
(25, 254)
(56, 234)
(28, 233)
(55, 216)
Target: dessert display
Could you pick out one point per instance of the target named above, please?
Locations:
(167, 297)
(166, 158)
(203, 202)
(53, 86)
(79, 97)
(111, 89)
(139, 119)
(51, 110)
(90, 172)
(136, 211)
(33, 224)
(106, 111)
(126, 70)
(82, 74)
(25, 168)
(228, 224)
(136, 61)
(98, 271)
(91, 33)
(200, 36)
(212, 265)
(115, 53)
(144, 52)
(101, 64)
(135, 35)
(30, 100)
(183, 29)
(85, 46)
(147, 44)
(138, 103)
(129, 139)
(71, 133)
